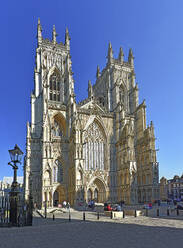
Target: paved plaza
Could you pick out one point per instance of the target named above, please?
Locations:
(128, 232)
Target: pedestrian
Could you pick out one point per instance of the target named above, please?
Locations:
(64, 204)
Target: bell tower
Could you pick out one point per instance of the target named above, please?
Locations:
(52, 104)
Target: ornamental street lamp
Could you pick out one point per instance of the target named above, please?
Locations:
(16, 156)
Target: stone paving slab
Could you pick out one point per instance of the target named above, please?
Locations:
(140, 232)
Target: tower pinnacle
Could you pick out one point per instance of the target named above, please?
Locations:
(54, 35)
(90, 90)
(110, 53)
(131, 58)
(98, 72)
(39, 32)
(67, 38)
(121, 55)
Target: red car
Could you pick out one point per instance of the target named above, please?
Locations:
(107, 207)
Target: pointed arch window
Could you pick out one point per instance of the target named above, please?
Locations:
(94, 148)
(55, 87)
(58, 172)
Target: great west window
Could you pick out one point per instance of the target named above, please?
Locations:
(94, 148)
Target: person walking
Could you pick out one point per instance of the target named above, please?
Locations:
(64, 204)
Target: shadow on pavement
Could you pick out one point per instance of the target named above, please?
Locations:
(82, 234)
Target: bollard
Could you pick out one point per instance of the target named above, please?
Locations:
(69, 216)
(53, 217)
(111, 214)
(135, 213)
(168, 212)
(123, 213)
(177, 212)
(84, 216)
(97, 215)
(158, 212)
(146, 212)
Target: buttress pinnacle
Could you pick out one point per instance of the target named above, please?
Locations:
(54, 35)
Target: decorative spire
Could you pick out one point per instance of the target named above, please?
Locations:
(131, 58)
(110, 53)
(90, 90)
(98, 72)
(121, 55)
(39, 32)
(67, 38)
(54, 35)
(133, 78)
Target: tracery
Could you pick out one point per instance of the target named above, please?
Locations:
(58, 172)
(55, 87)
(94, 147)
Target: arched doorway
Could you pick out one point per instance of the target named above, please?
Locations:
(100, 191)
(59, 195)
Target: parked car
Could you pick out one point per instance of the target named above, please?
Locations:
(116, 207)
(147, 206)
(107, 207)
(180, 207)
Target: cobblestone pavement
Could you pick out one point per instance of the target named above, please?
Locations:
(140, 232)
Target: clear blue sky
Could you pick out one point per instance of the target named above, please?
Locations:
(154, 30)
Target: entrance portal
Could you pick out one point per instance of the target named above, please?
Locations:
(55, 198)
(59, 195)
(100, 191)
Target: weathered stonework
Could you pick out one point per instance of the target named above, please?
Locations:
(97, 149)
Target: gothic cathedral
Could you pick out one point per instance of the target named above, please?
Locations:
(99, 148)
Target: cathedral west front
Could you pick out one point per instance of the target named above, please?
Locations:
(100, 148)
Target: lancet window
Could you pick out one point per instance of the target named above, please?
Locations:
(58, 172)
(94, 148)
(55, 87)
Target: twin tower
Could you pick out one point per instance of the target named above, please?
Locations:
(99, 148)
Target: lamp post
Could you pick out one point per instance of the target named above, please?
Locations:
(16, 156)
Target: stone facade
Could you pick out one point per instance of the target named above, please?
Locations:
(5, 187)
(171, 189)
(99, 148)
(163, 189)
(175, 188)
